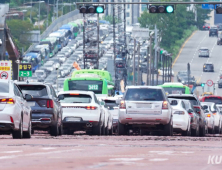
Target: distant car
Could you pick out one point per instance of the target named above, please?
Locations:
(181, 74)
(207, 94)
(220, 83)
(41, 75)
(181, 118)
(206, 26)
(15, 113)
(208, 67)
(219, 26)
(219, 41)
(213, 31)
(46, 109)
(204, 52)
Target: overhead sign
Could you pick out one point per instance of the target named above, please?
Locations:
(209, 83)
(25, 70)
(207, 6)
(5, 70)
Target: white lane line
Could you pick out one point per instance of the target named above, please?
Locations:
(162, 152)
(49, 148)
(187, 152)
(159, 159)
(11, 151)
(38, 153)
(126, 159)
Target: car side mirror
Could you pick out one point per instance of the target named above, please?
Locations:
(28, 97)
(61, 97)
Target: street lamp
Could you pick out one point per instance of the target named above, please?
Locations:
(39, 11)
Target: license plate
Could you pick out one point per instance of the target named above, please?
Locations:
(31, 104)
(73, 119)
(144, 105)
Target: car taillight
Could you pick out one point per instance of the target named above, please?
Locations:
(7, 101)
(91, 107)
(208, 115)
(191, 114)
(165, 105)
(214, 113)
(49, 103)
(122, 104)
(11, 119)
(203, 26)
(179, 112)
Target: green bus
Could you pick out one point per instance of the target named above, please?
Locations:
(53, 45)
(175, 88)
(95, 84)
(75, 28)
(89, 72)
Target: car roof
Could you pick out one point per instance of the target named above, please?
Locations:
(207, 103)
(143, 87)
(77, 91)
(30, 83)
(181, 95)
(203, 48)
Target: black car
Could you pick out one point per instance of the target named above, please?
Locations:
(220, 83)
(208, 67)
(46, 109)
(219, 40)
(213, 32)
(180, 75)
(197, 109)
(206, 26)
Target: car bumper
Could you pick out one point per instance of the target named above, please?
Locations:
(179, 125)
(6, 128)
(80, 125)
(146, 119)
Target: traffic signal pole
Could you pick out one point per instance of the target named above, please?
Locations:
(84, 59)
(98, 57)
(134, 62)
(138, 66)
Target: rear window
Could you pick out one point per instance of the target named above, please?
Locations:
(144, 95)
(76, 98)
(34, 90)
(216, 100)
(4, 87)
(110, 104)
(192, 100)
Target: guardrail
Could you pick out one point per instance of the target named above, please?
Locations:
(56, 24)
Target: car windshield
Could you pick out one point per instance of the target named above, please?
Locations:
(192, 100)
(39, 73)
(144, 94)
(216, 100)
(75, 98)
(34, 90)
(110, 104)
(4, 87)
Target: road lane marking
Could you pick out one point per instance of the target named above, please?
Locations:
(11, 151)
(49, 148)
(159, 159)
(183, 47)
(126, 159)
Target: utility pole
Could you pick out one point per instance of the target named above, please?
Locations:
(157, 74)
(57, 10)
(47, 15)
(31, 13)
(138, 67)
(39, 15)
(147, 73)
(98, 41)
(114, 41)
(163, 61)
(188, 73)
(150, 58)
(134, 62)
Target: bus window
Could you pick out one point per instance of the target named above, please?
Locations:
(174, 90)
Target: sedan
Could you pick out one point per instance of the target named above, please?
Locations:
(210, 120)
(204, 52)
(15, 113)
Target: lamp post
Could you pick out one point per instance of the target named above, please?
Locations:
(39, 11)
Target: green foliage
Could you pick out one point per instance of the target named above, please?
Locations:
(110, 19)
(174, 28)
(17, 27)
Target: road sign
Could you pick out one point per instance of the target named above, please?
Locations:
(207, 6)
(209, 83)
(25, 70)
(5, 70)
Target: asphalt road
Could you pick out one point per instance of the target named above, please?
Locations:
(82, 152)
(189, 54)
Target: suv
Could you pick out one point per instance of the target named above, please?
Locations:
(197, 108)
(145, 108)
(213, 31)
(204, 52)
(46, 109)
(208, 67)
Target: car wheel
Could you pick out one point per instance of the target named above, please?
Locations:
(61, 129)
(111, 131)
(195, 132)
(187, 132)
(168, 129)
(121, 129)
(217, 130)
(202, 131)
(54, 131)
(97, 130)
(18, 134)
(28, 134)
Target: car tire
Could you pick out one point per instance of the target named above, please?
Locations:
(202, 131)
(187, 132)
(18, 134)
(111, 131)
(54, 131)
(121, 129)
(195, 132)
(168, 129)
(103, 130)
(61, 130)
(217, 130)
(28, 134)
(97, 130)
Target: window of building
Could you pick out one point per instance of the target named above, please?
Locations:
(128, 6)
(127, 14)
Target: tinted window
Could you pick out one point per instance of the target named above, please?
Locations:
(215, 100)
(110, 104)
(87, 85)
(144, 95)
(192, 100)
(174, 90)
(4, 87)
(76, 98)
(34, 90)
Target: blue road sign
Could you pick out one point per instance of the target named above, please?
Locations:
(207, 6)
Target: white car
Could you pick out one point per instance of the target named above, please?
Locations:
(15, 114)
(145, 108)
(181, 118)
(211, 111)
(81, 111)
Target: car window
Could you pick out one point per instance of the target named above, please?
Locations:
(216, 100)
(53, 92)
(144, 95)
(4, 87)
(96, 100)
(76, 98)
(34, 90)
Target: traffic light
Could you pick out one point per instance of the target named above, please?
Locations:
(202, 84)
(161, 8)
(91, 9)
(218, 9)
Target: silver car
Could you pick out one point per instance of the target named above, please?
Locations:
(15, 112)
(204, 52)
(145, 108)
